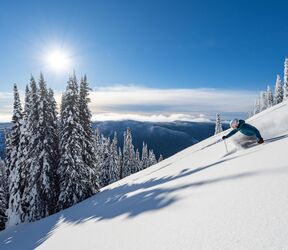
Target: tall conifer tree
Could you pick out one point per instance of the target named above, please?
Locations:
(3, 194)
(89, 152)
(285, 87)
(218, 124)
(74, 174)
(14, 205)
(128, 154)
(278, 97)
(114, 161)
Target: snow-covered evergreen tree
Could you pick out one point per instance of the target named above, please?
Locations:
(160, 158)
(89, 152)
(27, 149)
(8, 149)
(128, 155)
(105, 171)
(53, 126)
(62, 107)
(152, 158)
(3, 194)
(98, 148)
(263, 101)
(120, 162)
(48, 145)
(36, 150)
(23, 152)
(256, 107)
(114, 168)
(218, 124)
(278, 97)
(285, 87)
(145, 156)
(52, 147)
(138, 162)
(269, 96)
(40, 196)
(74, 174)
(14, 205)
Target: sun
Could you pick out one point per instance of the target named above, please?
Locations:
(58, 60)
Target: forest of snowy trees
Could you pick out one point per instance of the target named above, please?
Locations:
(267, 98)
(56, 160)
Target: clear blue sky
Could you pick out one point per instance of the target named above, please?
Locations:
(149, 42)
(152, 43)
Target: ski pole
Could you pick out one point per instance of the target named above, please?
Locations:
(226, 146)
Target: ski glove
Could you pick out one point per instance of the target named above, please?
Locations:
(260, 141)
(224, 137)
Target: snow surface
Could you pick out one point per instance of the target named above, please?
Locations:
(196, 199)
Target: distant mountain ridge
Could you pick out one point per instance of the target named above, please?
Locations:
(166, 138)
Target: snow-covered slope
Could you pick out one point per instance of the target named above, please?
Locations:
(196, 199)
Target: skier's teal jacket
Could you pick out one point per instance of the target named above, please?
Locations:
(245, 129)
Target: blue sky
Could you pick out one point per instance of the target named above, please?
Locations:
(237, 46)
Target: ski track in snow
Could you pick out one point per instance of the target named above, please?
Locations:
(200, 198)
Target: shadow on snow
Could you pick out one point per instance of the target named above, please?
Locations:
(128, 200)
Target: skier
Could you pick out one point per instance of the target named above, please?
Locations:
(244, 128)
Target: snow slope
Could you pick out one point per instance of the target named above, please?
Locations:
(196, 199)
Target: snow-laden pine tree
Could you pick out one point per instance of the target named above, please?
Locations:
(278, 96)
(41, 191)
(269, 96)
(74, 174)
(23, 152)
(160, 158)
(120, 162)
(256, 107)
(152, 158)
(114, 168)
(8, 149)
(53, 148)
(54, 134)
(3, 194)
(98, 148)
(49, 155)
(31, 198)
(285, 87)
(61, 110)
(104, 174)
(27, 145)
(218, 124)
(89, 152)
(128, 165)
(14, 179)
(145, 156)
(138, 162)
(263, 100)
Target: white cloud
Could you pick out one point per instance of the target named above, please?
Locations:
(6, 105)
(149, 117)
(132, 98)
(154, 103)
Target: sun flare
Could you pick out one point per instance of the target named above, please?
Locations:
(58, 60)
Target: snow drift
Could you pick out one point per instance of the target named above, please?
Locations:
(196, 199)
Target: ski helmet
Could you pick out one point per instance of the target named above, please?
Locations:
(234, 122)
